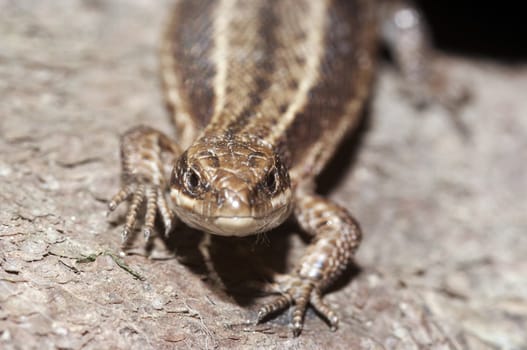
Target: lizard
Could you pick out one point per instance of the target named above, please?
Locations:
(262, 93)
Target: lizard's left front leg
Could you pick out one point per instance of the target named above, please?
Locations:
(336, 236)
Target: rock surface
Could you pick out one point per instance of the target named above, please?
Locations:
(443, 264)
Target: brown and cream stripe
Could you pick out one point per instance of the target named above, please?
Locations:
(291, 73)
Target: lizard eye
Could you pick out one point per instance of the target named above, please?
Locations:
(271, 181)
(192, 181)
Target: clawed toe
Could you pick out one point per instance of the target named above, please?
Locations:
(151, 209)
(124, 193)
(278, 304)
(153, 200)
(325, 310)
(299, 294)
(165, 212)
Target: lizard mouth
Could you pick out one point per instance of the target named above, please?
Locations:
(238, 226)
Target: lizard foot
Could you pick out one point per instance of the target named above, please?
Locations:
(299, 292)
(152, 197)
(145, 154)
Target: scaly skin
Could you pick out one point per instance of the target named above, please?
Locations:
(262, 93)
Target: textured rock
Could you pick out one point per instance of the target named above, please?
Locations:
(443, 264)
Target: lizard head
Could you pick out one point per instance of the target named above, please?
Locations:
(231, 187)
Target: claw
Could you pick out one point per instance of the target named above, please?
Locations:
(278, 304)
(299, 310)
(150, 215)
(167, 230)
(119, 197)
(324, 309)
(147, 233)
(131, 218)
(164, 210)
(299, 292)
(297, 329)
(124, 235)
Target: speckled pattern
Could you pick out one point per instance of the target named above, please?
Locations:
(269, 91)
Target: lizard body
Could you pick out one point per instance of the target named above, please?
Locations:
(262, 93)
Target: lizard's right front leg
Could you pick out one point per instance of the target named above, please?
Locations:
(147, 158)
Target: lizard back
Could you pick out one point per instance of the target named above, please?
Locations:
(292, 73)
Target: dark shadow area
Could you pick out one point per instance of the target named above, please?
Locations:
(245, 265)
(495, 30)
(184, 242)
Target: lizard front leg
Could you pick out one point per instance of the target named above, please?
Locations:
(336, 236)
(147, 157)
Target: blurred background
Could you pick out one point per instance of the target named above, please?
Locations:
(479, 28)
